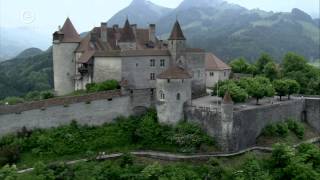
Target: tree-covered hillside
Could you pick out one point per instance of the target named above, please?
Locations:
(231, 31)
(21, 75)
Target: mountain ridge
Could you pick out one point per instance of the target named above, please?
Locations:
(151, 13)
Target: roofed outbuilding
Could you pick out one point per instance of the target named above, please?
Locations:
(214, 63)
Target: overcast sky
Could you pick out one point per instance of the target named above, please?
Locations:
(45, 15)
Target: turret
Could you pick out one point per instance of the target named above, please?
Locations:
(177, 41)
(173, 91)
(65, 42)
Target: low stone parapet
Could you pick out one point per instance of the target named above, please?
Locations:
(59, 101)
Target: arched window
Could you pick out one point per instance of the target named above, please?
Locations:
(178, 96)
(162, 95)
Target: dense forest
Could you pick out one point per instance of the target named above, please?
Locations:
(21, 75)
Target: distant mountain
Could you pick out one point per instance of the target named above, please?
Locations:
(140, 12)
(29, 53)
(21, 75)
(186, 4)
(231, 31)
(317, 21)
(15, 40)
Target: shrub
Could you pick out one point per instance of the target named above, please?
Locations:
(282, 129)
(270, 130)
(8, 172)
(188, 137)
(32, 96)
(103, 86)
(13, 100)
(277, 129)
(46, 95)
(126, 160)
(296, 127)
(9, 154)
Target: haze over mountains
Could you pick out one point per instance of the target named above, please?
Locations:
(15, 40)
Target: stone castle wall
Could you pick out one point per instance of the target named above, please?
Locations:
(248, 124)
(312, 112)
(99, 108)
(92, 109)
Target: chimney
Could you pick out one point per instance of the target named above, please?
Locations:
(152, 32)
(115, 26)
(134, 29)
(104, 32)
(116, 33)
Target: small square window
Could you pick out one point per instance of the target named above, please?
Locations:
(211, 73)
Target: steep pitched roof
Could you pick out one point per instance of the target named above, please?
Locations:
(69, 32)
(127, 33)
(174, 72)
(176, 33)
(214, 63)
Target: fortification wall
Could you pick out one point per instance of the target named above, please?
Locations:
(247, 124)
(93, 109)
(312, 112)
(209, 120)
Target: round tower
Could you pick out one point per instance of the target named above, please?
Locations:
(65, 42)
(173, 91)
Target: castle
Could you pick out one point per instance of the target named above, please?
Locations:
(166, 72)
(166, 75)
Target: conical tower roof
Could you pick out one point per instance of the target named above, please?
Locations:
(69, 32)
(176, 33)
(127, 34)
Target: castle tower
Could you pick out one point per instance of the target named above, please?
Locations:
(127, 40)
(177, 42)
(227, 106)
(65, 42)
(173, 91)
